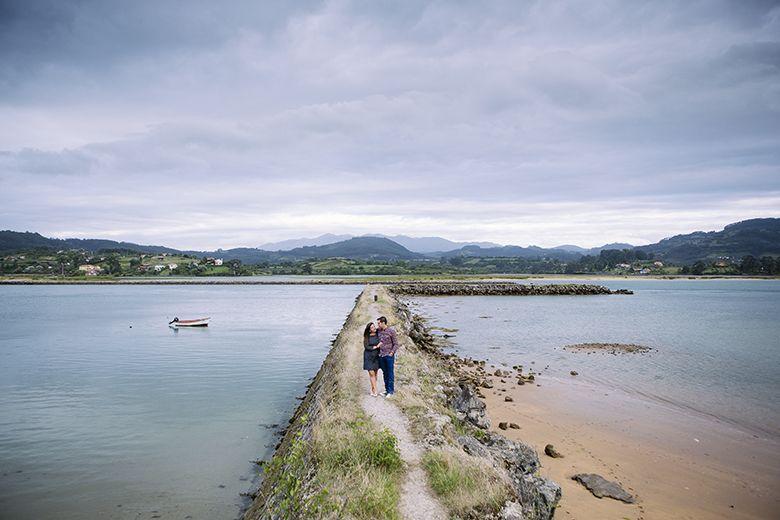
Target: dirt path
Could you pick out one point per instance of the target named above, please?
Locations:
(417, 499)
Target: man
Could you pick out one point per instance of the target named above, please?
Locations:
(388, 346)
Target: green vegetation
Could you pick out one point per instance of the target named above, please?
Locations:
(463, 483)
(361, 464)
(117, 263)
(76, 263)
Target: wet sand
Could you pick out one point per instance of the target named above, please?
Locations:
(677, 465)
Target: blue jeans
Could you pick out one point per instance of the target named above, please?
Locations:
(387, 365)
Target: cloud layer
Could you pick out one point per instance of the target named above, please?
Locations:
(198, 125)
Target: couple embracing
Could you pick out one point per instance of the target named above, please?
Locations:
(379, 347)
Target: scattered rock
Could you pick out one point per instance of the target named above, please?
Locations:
(550, 451)
(508, 399)
(574, 373)
(469, 407)
(601, 487)
(514, 426)
(487, 383)
(503, 425)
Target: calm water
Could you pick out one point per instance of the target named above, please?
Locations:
(717, 341)
(105, 412)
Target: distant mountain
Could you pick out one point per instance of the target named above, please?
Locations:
(432, 244)
(415, 244)
(593, 250)
(15, 241)
(361, 248)
(756, 237)
(322, 240)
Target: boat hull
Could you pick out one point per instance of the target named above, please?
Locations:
(186, 324)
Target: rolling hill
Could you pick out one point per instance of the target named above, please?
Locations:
(756, 237)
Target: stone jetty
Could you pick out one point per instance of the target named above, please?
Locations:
(499, 289)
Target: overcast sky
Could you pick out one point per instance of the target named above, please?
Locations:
(202, 125)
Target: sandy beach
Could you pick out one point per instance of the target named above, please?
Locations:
(678, 466)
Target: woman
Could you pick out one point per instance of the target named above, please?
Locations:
(371, 354)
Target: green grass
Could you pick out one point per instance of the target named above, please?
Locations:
(463, 483)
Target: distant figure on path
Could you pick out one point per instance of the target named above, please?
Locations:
(388, 346)
(371, 354)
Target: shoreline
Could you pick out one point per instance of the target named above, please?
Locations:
(367, 279)
(678, 465)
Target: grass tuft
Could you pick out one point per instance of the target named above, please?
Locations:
(464, 485)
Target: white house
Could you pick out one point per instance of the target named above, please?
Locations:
(90, 270)
(172, 266)
(217, 261)
(159, 268)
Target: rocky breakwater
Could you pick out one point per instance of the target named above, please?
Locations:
(290, 475)
(499, 289)
(532, 497)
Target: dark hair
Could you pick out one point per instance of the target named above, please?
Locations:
(367, 332)
(366, 335)
(382, 319)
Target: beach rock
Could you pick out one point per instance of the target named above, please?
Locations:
(514, 426)
(550, 451)
(487, 383)
(470, 407)
(472, 446)
(517, 457)
(574, 373)
(503, 425)
(539, 497)
(601, 487)
(521, 381)
(508, 399)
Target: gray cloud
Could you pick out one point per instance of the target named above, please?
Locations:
(508, 121)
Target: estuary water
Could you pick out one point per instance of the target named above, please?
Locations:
(106, 412)
(717, 342)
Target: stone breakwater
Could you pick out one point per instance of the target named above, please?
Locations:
(500, 289)
(320, 393)
(456, 418)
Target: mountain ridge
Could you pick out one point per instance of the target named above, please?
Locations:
(755, 237)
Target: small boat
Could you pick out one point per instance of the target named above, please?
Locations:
(200, 322)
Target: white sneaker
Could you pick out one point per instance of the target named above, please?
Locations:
(384, 394)
(373, 394)
(388, 396)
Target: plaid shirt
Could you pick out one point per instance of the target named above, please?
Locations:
(388, 342)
